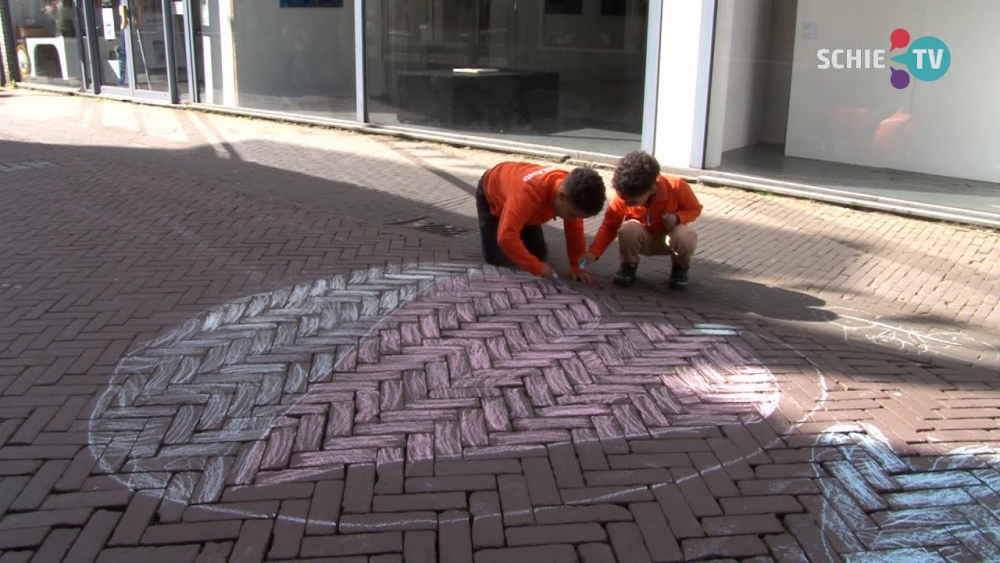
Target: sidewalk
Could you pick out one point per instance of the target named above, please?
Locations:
(227, 338)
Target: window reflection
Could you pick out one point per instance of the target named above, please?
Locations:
(564, 74)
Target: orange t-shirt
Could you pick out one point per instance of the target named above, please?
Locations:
(672, 195)
(523, 194)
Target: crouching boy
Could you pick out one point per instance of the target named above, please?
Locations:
(514, 200)
(650, 214)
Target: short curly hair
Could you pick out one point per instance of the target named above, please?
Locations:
(635, 175)
(585, 189)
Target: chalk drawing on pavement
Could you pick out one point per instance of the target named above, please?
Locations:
(876, 501)
(926, 342)
(402, 366)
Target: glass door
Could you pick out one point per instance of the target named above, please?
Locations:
(143, 48)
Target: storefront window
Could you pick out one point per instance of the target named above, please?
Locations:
(289, 56)
(46, 41)
(859, 96)
(565, 74)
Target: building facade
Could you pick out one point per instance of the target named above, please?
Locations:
(855, 95)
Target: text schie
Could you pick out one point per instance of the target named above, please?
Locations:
(873, 58)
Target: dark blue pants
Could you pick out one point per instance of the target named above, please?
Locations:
(532, 235)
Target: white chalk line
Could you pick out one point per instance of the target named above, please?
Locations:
(902, 338)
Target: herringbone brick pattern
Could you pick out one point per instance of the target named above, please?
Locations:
(195, 368)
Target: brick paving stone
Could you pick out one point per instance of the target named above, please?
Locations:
(236, 354)
(355, 544)
(626, 540)
(454, 537)
(24, 537)
(419, 501)
(785, 549)
(289, 529)
(487, 519)
(65, 517)
(136, 518)
(56, 544)
(38, 488)
(253, 541)
(659, 539)
(732, 546)
(550, 553)
(400, 521)
(586, 513)
(94, 535)
(324, 510)
(811, 538)
(166, 554)
(731, 525)
(682, 519)
(515, 501)
(596, 495)
(596, 553)
(182, 533)
(214, 552)
(564, 533)
(420, 546)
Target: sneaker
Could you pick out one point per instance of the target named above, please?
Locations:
(679, 276)
(626, 274)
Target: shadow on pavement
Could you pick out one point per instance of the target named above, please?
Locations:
(241, 167)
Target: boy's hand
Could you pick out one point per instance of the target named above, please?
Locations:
(583, 277)
(670, 221)
(548, 272)
(588, 259)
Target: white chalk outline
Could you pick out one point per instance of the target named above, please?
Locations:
(213, 317)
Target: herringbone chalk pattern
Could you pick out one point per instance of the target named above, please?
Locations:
(406, 366)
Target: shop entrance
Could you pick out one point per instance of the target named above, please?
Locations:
(143, 49)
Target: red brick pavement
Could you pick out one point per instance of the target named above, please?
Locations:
(194, 370)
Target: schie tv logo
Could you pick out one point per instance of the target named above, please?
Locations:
(926, 58)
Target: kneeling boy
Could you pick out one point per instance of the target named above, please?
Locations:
(650, 214)
(514, 200)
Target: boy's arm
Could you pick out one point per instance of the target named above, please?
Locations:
(688, 206)
(608, 230)
(576, 242)
(512, 220)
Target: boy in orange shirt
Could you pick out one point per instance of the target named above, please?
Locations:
(650, 214)
(514, 200)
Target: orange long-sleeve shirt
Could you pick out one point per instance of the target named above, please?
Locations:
(672, 195)
(523, 194)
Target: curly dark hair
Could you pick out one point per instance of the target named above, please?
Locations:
(636, 173)
(585, 189)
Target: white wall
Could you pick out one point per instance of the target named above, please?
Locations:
(293, 52)
(848, 115)
(683, 75)
(215, 36)
(739, 76)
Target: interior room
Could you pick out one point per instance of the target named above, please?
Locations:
(775, 113)
(567, 74)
